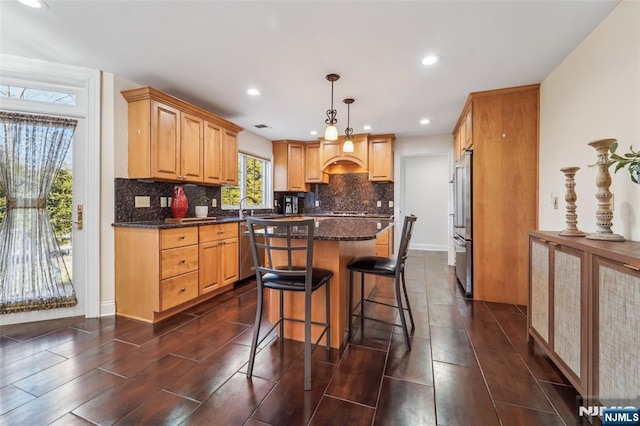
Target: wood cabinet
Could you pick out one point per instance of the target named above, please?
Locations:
(331, 151)
(289, 166)
(501, 127)
(218, 253)
(381, 158)
(313, 167)
(229, 157)
(171, 140)
(160, 272)
(583, 312)
(384, 243)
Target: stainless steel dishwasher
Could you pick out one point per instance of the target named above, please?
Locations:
(247, 269)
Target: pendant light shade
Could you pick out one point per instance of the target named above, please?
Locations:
(347, 146)
(331, 132)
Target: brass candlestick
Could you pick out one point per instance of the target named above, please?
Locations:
(570, 197)
(604, 215)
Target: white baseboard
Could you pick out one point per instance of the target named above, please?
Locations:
(108, 309)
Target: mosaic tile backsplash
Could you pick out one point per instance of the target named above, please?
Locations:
(347, 192)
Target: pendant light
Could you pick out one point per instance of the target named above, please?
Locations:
(347, 146)
(331, 132)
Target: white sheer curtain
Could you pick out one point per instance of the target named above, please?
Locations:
(33, 274)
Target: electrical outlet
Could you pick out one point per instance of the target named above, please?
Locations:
(317, 203)
(163, 201)
(390, 203)
(142, 201)
(214, 202)
(379, 203)
(169, 201)
(379, 225)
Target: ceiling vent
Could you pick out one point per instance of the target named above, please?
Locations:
(262, 126)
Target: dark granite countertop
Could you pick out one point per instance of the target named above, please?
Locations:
(328, 228)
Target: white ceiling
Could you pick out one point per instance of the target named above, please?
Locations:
(209, 52)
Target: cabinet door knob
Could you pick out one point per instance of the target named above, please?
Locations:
(182, 290)
(183, 261)
(182, 237)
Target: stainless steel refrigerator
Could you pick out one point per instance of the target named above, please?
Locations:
(463, 221)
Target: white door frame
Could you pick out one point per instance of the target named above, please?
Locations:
(87, 83)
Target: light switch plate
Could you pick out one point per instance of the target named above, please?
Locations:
(163, 201)
(317, 203)
(379, 203)
(143, 201)
(214, 202)
(390, 203)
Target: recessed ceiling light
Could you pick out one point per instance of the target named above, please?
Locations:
(430, 60)
(367, 127)
(314, 132)
(36, 4)
(425, 121)
(253, 92)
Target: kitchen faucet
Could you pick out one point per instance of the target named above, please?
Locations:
(240, 203)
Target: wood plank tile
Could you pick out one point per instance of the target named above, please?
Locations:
(84, 342)
(358, 376)
(121, 399)
(71, 419)
(94, 324)
(63, 372)
(210, 341)
(32, 330)
(233, 402)
(152, 350)
(487, 335)
(452, 345)
(53, 405)
(203, 380)
(5, 341)
(502, 307)
(27, 366)
(474, 309)
(405, 403)
(414, 365)
(541, 366)
(288, 403)
(445, 316)
(161, 408)
(461, 396)
(12, 397)
(564, 400)
(348, 413)
(509, 380)
(373, 335)
(514, 326)
(421, 320)
(13, 353)
(276, 358)
(515, 415)
(439, 294)
(140, 333)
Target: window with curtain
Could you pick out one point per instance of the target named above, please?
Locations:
(254, 182)
(33, 273)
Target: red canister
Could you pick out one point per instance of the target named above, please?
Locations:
(179, 203)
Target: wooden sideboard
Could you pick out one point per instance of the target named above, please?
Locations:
(584, 311)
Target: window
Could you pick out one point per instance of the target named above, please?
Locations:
(30, 94)
(254, 182)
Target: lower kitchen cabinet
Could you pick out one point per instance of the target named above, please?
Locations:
(384, 243)
(160, 272)
(583, 311)
(218, 256)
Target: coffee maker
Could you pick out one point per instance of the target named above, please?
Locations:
(290, 205)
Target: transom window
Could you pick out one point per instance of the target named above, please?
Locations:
(254, 182)
(37, 95)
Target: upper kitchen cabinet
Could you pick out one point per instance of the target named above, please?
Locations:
(331, 151)
(381, 158)
(172, 140)
(501, 126)
(289, 166)
(313, 167)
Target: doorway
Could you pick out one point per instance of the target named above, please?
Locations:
(75, 94)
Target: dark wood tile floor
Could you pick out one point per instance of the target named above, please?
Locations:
(470, 364)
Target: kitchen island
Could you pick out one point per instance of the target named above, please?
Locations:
(336, 242)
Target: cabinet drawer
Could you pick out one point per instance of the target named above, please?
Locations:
(178, 237)
(383, 239)
(177, 290)
(208, 233)
(178, 261)
(227, 230)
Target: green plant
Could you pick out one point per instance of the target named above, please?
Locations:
(203, 200)
(631, 160)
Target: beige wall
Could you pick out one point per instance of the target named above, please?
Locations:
(593, 94)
